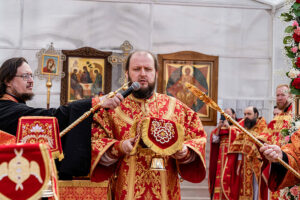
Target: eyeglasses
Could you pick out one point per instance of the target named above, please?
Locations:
(25, 77)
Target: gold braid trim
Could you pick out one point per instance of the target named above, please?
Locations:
(100, 154)
(46, 158)
(133, 132)
(82, 183)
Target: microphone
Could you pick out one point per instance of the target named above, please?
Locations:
(135, 86)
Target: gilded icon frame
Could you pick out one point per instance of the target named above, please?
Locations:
(92, 66)
(196, 68)
(55, 62)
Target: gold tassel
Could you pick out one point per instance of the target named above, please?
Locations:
(57, 154)
(61, 156)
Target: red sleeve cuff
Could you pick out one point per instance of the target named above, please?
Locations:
(95, 101)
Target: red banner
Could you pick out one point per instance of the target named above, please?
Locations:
(24, 171)
(36, 129)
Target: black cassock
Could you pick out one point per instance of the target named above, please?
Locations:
(76, 143)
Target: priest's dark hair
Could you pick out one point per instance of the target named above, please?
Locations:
(8, 71)
(255, 111)
(233, 112)
(129, 57)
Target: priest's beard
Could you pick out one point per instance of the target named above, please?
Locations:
(23, 96)
(250, 123)
(144, 93)
(282, 107)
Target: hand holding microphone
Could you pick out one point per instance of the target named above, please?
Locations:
(112, 103)
(135, 86)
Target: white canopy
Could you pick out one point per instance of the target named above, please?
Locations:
(245, 34)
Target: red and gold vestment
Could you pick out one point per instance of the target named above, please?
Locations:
(6, 138)
(131, 177)
(218, 154)
(272, 134)
(292, 150)
(242, 180)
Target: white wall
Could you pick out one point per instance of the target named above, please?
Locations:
(239, 32)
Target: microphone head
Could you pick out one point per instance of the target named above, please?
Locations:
(135, 86)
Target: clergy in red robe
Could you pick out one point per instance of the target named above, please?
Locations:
(220, 140)
(272, 134)
(113, 139)
(280, 177)
(242, 172)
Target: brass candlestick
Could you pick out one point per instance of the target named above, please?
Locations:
(48, 85)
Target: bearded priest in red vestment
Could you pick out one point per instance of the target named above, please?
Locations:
(242, 174)
(272, 135)
(220, 140)
(113, 139)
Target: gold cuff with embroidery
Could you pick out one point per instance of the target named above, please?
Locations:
(116, 150)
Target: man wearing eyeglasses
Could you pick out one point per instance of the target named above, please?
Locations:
(20, 85)
(16, 84)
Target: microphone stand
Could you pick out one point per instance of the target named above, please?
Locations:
(92, 110)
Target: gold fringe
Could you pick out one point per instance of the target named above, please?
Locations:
(57, 154)
(168, 151)
(61, 156)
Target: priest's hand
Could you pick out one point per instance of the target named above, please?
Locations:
(112, 103)
(220, 124)
(271, 152)
(226, 124)
(127, 145)
(181, 153)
